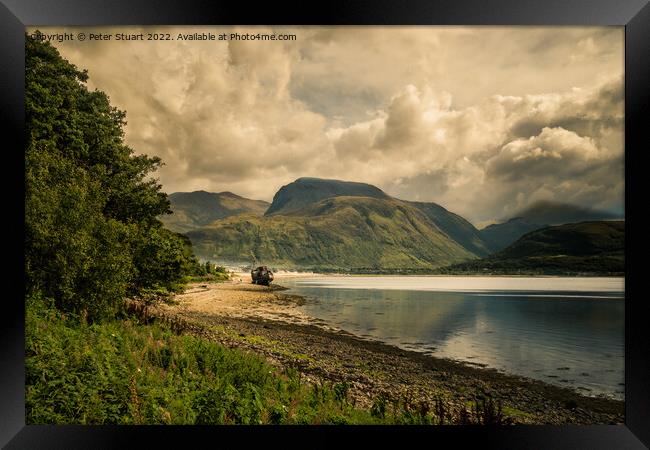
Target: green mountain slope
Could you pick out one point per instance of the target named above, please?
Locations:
(346, 233)
(537, 216)
(295, 198)
(576, 248)
(193, 210)
(455, 226)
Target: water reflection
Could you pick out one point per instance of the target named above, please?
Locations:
(572, 338)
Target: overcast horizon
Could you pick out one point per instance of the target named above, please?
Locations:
(481, 120)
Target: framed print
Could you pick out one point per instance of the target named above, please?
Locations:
(402, 221)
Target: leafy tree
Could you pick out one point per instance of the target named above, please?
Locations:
(161, 260)
(91, 229)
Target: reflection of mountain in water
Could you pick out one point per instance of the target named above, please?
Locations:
(522, 333)
(574, 343)
(399, 314)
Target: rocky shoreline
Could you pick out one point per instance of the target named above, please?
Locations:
(267, 322)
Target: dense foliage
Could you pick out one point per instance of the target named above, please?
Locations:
(91, 233)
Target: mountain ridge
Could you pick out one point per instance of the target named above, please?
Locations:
(293, 198)
(191, 210)
(342, 232)
(320, 213)
(590, 247)
(303, 191)
(537, 216)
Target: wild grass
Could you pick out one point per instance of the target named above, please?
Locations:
(124, 372)
(127, 372)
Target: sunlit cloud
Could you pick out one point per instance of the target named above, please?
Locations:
(482, 120)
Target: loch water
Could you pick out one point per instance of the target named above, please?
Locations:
(564, 331)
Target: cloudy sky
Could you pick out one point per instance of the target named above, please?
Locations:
(482, 120)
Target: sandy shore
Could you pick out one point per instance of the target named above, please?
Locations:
(266, 320)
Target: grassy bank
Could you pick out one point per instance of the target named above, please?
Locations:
(125, 372)
(122, 372)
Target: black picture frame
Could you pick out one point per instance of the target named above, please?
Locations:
(633, 14)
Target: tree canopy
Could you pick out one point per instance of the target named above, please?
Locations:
(91, 205)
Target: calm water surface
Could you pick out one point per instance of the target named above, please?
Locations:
(565, 331)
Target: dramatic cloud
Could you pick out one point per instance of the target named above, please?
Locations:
(483, 120)
(490, 160)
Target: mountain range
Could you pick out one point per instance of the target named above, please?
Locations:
(321, 224)
(344, 232)
(333, 224)
(595, 248)
(538, 215)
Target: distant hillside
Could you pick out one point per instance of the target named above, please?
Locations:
(455, 226)
(222, 225)
(576, 248)
(307, 191)
(192, 210)
(337, 233)
(499, 236)
(539, 215)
